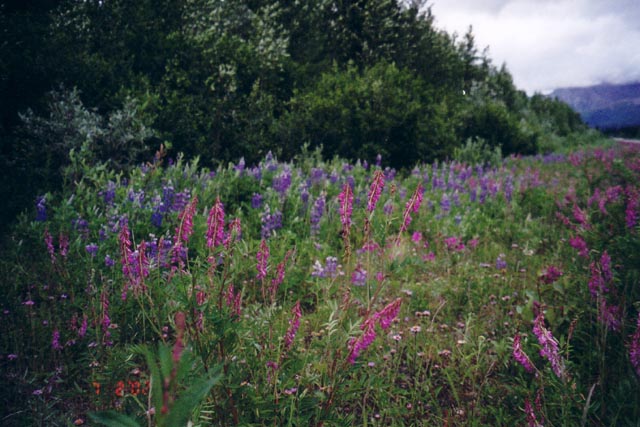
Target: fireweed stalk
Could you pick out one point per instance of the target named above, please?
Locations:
(215, 225)
(262, 259)
(413, 205)
(549, 346)
(346, 207)
(375, 190)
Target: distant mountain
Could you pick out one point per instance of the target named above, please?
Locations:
(605, 106)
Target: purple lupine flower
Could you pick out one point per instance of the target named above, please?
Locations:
(445, 204)
(92, 249)
(256, 200)
(156, 218)
(549, 346)
(316, 214)
(317, 175)
(520, 356)
(357, 345)
(386, 316)
(270, 222)
(109, 195)
(240, 166)
(318, 270)
(376, 190)
(294, 324)
(501, 264)
(331, 266)
(379, 160)
(282, 182)
(41, 208)
(55, 340)
(359, 277)
(388, 208)
(215, 225)
(262, 258)
(634, 348)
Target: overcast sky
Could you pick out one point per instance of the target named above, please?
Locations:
(548, 44)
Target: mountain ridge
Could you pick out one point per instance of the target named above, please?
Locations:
(604, 106)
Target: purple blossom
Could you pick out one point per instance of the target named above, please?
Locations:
(634, 348)
(262, 258)
(386, 316)
(550, 275)
(580, 245)
(92, 249)
(357, 345)
(520, 356)
(55, 340)
(346, 205)
(294, 324)
(501, 264)
(359, 277)
(376, 189)
(316, 214)
(215, 225)
(270, 222)
(109, 194)
(610, 315)
(256, 200)
(549, 346)
(41, 209)
(48, 240)
(282, 182)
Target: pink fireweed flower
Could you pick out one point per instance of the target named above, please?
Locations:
(294, 324)
(346, 206)
(631, 210)
(63, 244)
(610, 315)
(178, 346)
(233, 300)
(262, 258)
(634, 348)
(388, 313)
(520, 356)
(215, 225)
(55, 340)
(532, 420)
(580, 245)
(416, 237)
(550, 349)
(277, 281)
(185, 222)
(235, 232)
(454, 244)
(48, 240)
(580, 216)
(550, 275)
(357, 345)
(376, 189)
(413, 205)
(125, 248)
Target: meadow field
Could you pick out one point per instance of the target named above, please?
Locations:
(322, 293)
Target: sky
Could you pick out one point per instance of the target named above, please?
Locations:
(547, 44)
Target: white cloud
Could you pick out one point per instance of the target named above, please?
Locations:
(552, 43)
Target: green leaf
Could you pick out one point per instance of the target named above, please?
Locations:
(186, 403)
(113, 419)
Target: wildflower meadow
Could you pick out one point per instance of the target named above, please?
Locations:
(328, 293)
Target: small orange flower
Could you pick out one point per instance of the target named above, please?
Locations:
(96, 387)
(134, 387)
(120, 389)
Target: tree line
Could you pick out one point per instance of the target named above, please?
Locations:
(108, 81)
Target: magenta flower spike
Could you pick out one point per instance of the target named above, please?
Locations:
(357, 345)
(262, 258)
(185, 225)
(346, 206)
(294, 324)
(550, 349)
(376, 189)
(388, 313)
(413, 205)
(634, 348)
(520, 356)
(215, 225)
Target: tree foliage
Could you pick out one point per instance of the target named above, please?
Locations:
(228, 79)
